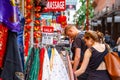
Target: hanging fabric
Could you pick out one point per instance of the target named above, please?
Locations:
(9, 15)
(29, 63)
(12, 69)
(42, 53)
(20, 36)
(63, 56)
(49, 52)
(3, 41)
(58, 70)
(66, 59)
(35, 66)
(51, 59)
(46, 67)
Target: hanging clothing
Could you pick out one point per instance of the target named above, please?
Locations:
(35, 66)
(3, 41)
(20, 36)
(12, 69)
(49, 52)
(65, 57)
(29, 63)
(9, 15)
(70, 69)
(41, 56)
(46, 67)
(58, 70)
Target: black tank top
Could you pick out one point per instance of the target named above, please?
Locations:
(96, 58)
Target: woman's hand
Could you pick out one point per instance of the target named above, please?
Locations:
(75, 77)
(72, 62)
(77, 73)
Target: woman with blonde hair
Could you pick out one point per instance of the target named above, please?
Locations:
(94, 58)
(100, 36)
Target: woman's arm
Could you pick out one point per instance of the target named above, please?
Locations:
(85, 63)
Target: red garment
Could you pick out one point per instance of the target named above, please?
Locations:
(3, 41)
(42, 53)
(1, 79)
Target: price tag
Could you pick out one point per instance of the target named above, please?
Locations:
(47, 38)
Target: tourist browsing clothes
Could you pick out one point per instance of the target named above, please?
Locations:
(94, 58)
(78, 48)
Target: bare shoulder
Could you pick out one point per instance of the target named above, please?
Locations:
(88, 52)
(100, 47)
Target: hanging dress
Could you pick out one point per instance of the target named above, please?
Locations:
(35, 66)
(29, 63)
(41, 56)
(20, 36)
(57, 67)
(46, 67)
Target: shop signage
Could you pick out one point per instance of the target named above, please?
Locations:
(47, 38)
(56, 5)
(48, 29)
(47, 35)
(71, 2)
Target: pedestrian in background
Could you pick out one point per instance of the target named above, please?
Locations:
(118, 45)
(109, 40)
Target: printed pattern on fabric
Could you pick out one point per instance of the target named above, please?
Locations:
(58, 71)
(65, 57)
(46, 67)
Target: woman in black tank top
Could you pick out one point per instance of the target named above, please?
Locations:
(94, 58)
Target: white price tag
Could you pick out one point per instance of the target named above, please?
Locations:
(47, 38)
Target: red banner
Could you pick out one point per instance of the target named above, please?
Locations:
(56, 5)
(48, 29)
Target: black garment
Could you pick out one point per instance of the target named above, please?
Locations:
(99, 75)
(79, 43)
(12, 69)
(95, 60)
(84, 76)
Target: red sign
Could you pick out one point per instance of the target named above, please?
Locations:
(48, 29)
(56, 5)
